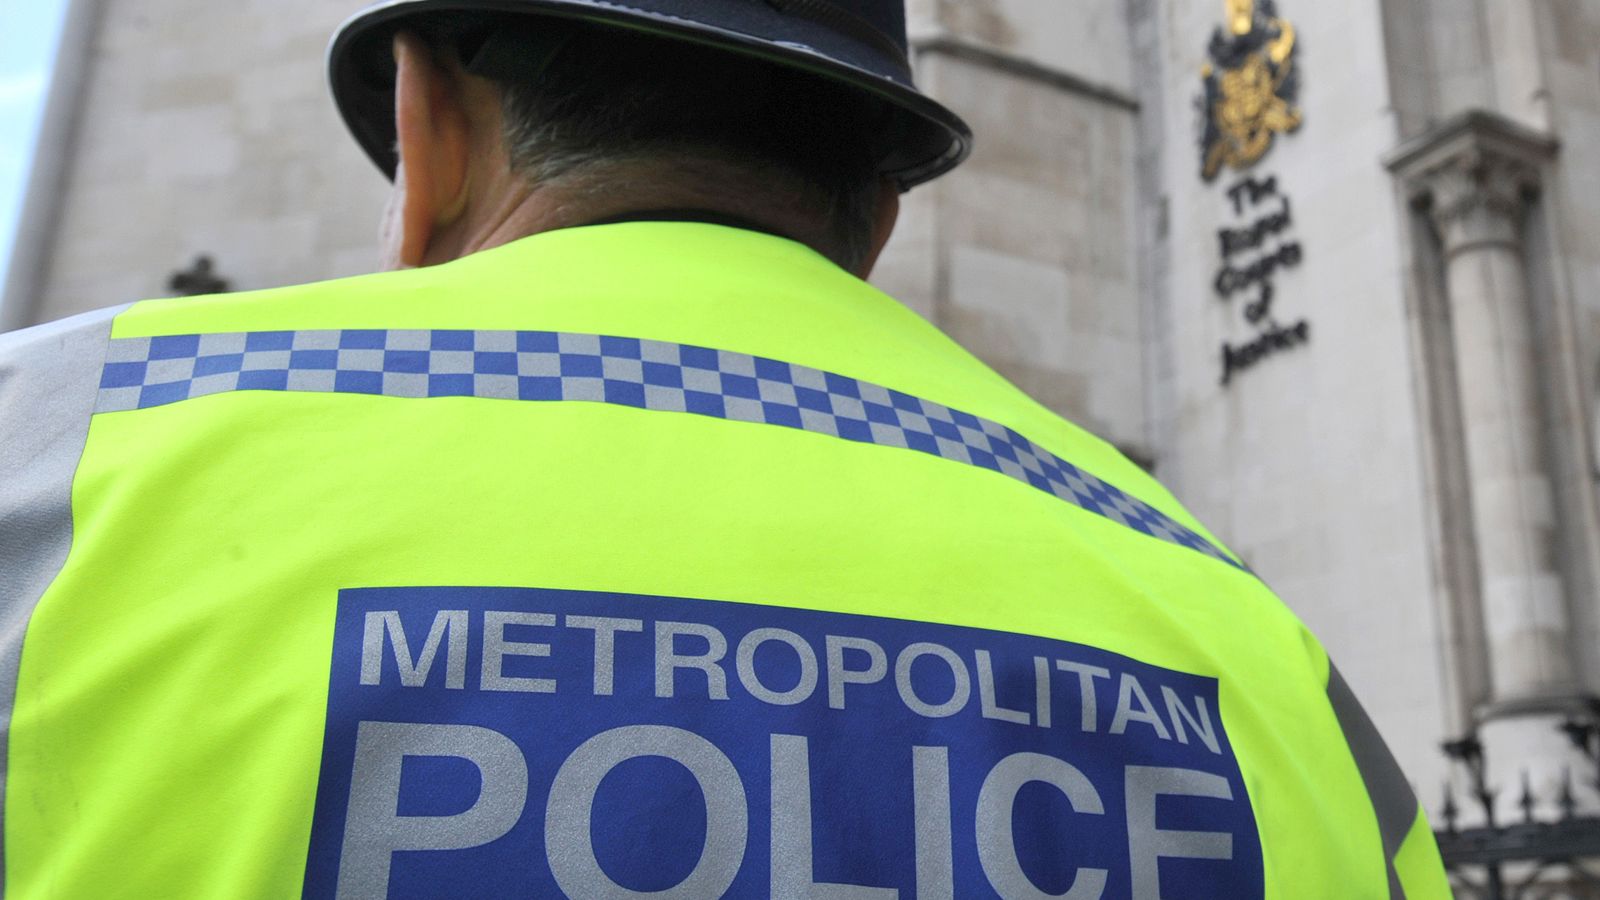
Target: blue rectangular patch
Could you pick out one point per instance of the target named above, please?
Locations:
(525, 742)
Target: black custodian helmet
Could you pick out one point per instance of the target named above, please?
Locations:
(859, 44)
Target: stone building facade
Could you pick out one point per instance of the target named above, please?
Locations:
(1388, 407)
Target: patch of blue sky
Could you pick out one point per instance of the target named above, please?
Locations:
(30, 32)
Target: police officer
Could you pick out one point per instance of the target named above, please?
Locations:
(624, 542)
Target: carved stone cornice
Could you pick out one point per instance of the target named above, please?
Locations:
(1474, 176)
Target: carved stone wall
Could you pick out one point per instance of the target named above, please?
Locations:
(1498, 163)
(1311, 462)
(204, 128)
(1027, 254)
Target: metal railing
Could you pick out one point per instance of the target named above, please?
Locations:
(1531, 859)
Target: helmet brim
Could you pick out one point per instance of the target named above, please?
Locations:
(921, 139)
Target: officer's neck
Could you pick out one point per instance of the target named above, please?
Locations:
(522, 210)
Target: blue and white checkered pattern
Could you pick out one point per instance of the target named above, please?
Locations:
(141, 373)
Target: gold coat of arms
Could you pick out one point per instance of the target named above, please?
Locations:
(1251, 85)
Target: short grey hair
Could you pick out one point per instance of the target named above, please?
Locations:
(586, 105)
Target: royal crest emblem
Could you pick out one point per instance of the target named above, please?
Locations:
(1251, 85)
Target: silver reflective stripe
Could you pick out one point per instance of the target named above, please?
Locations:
(541, 366)
(49, 377)
(1392, 798)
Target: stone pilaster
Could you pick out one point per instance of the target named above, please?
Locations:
(1474, 178)
(1475, 184)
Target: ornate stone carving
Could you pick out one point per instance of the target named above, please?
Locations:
(1474, 175)
(1478, 198)
(200, 278)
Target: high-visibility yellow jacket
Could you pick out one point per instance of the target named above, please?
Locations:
(647, 559)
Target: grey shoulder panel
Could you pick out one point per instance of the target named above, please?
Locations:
(1392, 798)
(49, 378)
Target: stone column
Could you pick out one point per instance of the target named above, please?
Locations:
(1478, 195)
(1474, 176)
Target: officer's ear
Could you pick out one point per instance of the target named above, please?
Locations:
(885, 213)
(434, 143)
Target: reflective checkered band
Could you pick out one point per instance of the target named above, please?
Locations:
(141, 373)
